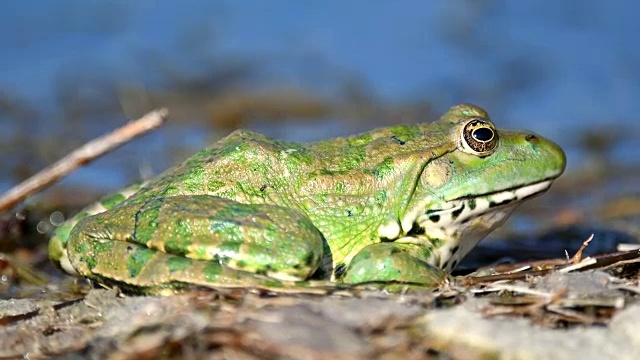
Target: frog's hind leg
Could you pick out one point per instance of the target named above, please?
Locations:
(204, 240)
(59, 239)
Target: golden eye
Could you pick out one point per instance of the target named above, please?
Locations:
(479, 137)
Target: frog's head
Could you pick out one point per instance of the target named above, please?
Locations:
(479, 177)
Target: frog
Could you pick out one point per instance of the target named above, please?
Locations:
(396, 205)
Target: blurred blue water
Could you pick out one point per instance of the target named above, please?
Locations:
(578, 62)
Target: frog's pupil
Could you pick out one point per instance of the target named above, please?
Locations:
(482, 134)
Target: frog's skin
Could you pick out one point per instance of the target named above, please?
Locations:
(398, 204)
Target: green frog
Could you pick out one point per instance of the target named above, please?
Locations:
(402, 204)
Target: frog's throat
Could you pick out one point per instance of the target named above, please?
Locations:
(453, 230)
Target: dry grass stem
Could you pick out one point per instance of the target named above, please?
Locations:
(82, 155)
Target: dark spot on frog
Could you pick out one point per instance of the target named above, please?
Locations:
(309, 259)
(129, 249)
(455, 214)
(493, 204)
(340, 270)
(349, 213)
(471, 203)
(454, 250)
(434, 218)
(530, 137)
(264, 187)
(398, 141)
(436, 242)
(264, 270)
(416, 230)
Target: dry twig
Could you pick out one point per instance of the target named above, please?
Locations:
(81, 156)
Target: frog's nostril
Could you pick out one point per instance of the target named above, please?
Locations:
(530, 137)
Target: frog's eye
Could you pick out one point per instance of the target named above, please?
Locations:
(479, 137)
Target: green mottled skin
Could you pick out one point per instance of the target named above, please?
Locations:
(250, 210)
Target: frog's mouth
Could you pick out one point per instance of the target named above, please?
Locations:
(468, 207)
(456, 229)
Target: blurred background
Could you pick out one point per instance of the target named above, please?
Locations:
(73, 70)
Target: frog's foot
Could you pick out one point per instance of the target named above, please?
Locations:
(392, 263)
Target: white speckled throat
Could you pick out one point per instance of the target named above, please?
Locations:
(455, 230)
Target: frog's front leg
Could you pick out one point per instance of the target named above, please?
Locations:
(392, 262)
(166, 243)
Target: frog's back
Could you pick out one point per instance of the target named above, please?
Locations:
(241, 167)
(250, 167)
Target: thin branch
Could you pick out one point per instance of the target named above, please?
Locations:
(83, 155)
